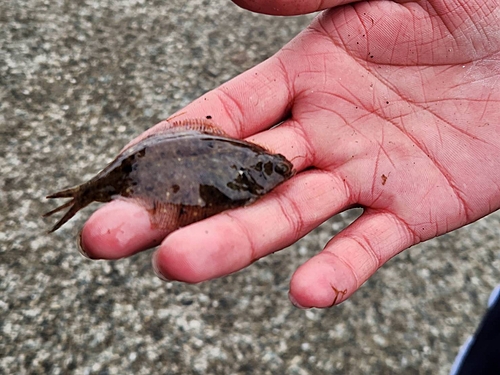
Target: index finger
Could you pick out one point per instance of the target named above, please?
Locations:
(249, 103)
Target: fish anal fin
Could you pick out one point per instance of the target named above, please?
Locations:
(163, 216)
(169, 217)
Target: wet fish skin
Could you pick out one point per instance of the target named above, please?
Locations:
(182, 175)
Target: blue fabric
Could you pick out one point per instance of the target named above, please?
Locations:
(481, 353)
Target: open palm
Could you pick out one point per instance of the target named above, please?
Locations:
(391, 106)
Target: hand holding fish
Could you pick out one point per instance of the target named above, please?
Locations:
(391, 106)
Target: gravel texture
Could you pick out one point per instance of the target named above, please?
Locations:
(78, 80)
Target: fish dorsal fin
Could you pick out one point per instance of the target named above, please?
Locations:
(198, 124)
(165, 127)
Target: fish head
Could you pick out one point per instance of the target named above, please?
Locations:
(269, 170)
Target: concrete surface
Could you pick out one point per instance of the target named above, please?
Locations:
(78, 79)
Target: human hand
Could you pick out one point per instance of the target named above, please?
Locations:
(389, 106)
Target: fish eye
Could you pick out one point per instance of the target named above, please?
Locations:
(282, 168)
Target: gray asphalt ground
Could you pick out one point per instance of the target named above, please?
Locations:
(78, 80)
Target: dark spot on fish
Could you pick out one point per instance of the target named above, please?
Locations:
(268, 168)
(126, 167)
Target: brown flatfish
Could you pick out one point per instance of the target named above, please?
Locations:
(187, 172)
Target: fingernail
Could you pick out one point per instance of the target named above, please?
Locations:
(294, 302)
(156, 268)
(81, 248)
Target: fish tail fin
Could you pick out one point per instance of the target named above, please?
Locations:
(66, 193)
(79, 200)
(60, 208)
(68, 215)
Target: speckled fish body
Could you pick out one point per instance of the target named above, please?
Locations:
(182, 175)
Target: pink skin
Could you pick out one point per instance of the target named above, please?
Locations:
(393, 106)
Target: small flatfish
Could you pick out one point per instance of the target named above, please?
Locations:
(187, 172)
